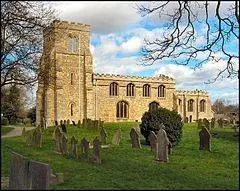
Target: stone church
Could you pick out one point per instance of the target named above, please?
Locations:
(68, 88)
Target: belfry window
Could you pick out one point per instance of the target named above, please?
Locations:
(146, 90)
(72, 44)
(113, 89)
(161, 91)
(130, 89)
(202, 105)
(122, 109)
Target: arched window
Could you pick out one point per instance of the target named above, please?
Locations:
(146, 90)
(71, 78)
(71, 109)
(122, 109)
(153, 106)
(72, 44)
(190, 105)
(161, 91)
(202, 105)
(130, 90)
(113, 89)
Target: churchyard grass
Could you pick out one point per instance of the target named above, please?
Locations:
(126, 168)
(6, 129)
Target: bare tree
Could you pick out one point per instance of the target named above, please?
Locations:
(22, 25)
(219, 28)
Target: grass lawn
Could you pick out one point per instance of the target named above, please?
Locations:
(126, 168)
(6, 129)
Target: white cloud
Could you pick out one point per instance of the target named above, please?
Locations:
(132, 45)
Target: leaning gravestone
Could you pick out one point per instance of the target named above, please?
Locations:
(135, 139)
(96, 150)
(153, 140)
(18, 179)
(84, 145)
(74, 142)
(73, 122)
(64, 144)
(64, 129)
(205, 139)
(103, 135)
(38, 176)
(58, 139)
(162, 146)
(116, 137)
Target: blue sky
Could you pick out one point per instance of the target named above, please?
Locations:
(117, 38)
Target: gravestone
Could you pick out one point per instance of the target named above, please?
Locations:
(138, 130)
(96, 150)
(79, 123)
(206, 123)
(135, 139)
(101, 124)
(84, 145)
(153, 140)
(34, 138)
(64, 148)
(18, 179)
(58, 139)
(23, 131)
(64, 129)
(68, 122)
(162, 146)
(29, 136)
(38, 138)
(61, 122)
(74, 142)
(116, 137)
(103, 135)
(38, 176)
(205, 139)
(64, 122)
(56, 123)
(73, 122)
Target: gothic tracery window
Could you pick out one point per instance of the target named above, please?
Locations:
(146, 90)
(161, 91)
(190, 105)
(113, 89)
(130, 90)
(122, 109)
(202, 105)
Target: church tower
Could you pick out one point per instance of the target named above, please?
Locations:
(65, 89)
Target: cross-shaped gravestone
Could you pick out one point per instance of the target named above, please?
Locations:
(96, 150)
(74, 142)
(84, 145)
(116, 137)
(205, 139)
(103, 135)
(152, 138)
(64, 147)
(135, 139)
(162, 146)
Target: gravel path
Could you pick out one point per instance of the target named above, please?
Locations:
(16, 132)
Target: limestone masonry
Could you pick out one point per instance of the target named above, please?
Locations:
(68, 88)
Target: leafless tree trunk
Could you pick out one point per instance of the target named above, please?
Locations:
(22, 25)
(220, 28)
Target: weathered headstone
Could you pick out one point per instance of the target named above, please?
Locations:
(64, 122)
(116, 137)
(18, 179)
(74, 142)
(64, 148)
(84, 145)
(64, 129)
(205, 139)
(58, 139)
(135, 139)
(73, 122)
(56, 123)
(38, 138)
(103, 135)
(68, 122)
(153, 140)
(61, 122)
(96, 150)
(162, 146)
(38, 176)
